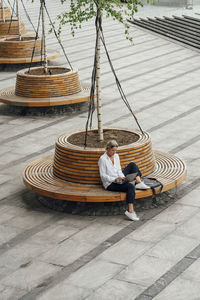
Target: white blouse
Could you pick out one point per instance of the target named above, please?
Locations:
(109, 171)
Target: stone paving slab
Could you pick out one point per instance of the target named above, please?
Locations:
(180, 289)
(130, 249)
(192, 273)
(30, 275)
(152, 231)
(63, 290)
(173, 247)
(116, 289)
(145, 270)
(8, 293)
(8, 232)
(64, 253)
(21, 254)
(85, 276)
(190, 228)
(191, 199)
(177, 214)
(54, 234)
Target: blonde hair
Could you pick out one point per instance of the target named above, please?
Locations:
(111, 144)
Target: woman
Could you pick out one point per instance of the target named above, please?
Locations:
(113, 178)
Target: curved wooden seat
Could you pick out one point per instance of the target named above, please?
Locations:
(51, 54)
(8, 96)
(38, 176)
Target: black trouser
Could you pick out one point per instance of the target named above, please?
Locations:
(127, 187)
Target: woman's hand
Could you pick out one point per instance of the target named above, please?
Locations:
(119, 179)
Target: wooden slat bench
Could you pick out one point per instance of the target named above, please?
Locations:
(39, 177)
(8, 96)
(72, 172)
(60, 86)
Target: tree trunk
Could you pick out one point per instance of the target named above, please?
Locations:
(98, 95)
(44, 40)
(3, 13)
(18, 18)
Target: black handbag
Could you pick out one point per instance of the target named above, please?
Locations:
(155, 185)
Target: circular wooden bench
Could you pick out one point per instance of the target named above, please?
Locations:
(38, 176)
(8, 96)
(50, 176)
(36, 89)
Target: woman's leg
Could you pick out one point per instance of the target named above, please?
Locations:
(130, 192)
(132, 168)
(138, 179)
(130, 197)
(130, 207)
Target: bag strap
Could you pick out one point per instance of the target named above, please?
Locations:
(154, 196)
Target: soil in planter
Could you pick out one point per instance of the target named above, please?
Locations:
(51, 71)
(9, 20)
(121, 136)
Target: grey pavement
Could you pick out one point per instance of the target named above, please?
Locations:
(46, 254)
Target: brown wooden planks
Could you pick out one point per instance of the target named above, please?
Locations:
(38, 176)
(8, 96)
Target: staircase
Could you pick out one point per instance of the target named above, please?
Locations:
(184, 29)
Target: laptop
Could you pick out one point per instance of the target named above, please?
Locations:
(131, 177)
(128, 178)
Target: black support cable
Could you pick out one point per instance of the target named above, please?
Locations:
(92, 92)
(56, 35)
(93, 82)
(13, 11)
(123, 96)
(36, 37)
(27, 15)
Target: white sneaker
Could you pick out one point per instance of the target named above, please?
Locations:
(141, 186)
(132, 216)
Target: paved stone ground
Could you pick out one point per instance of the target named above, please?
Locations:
(46, 254)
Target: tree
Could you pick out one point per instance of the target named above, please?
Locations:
(79, 11)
